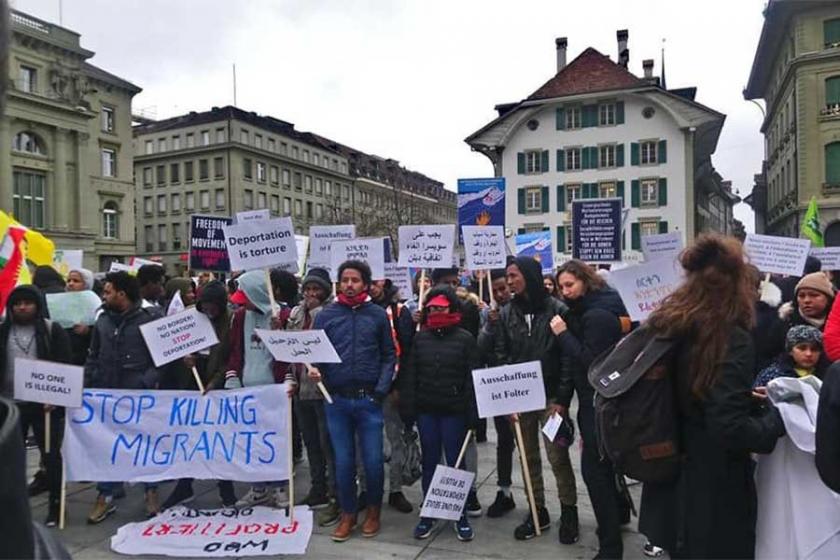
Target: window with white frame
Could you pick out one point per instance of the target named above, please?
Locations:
(175, 173)
(109, 162)
(147, 176)
(110, 223)
(176, 142)
(258, 141)
(287, 206)
(648, 227)
(261, 202)
(188, 172)
(161, 145)
(162, 237)
(533, 161)
(106, 119)
(176, 237)
(205, 199)
(248, 199)
(148, 236)
(160, 171)
(220, 198)
(298, 208)
(328, 188)
(150, 147)
(190, 140)
(606, 114)
(533, 200)
(272, 145)
(148, 205)
(647, 152)
(306, 156)
(261, 172)
(161, 204)
(28, 198)
(28, 79)
(244, 137)
(573, 118)
(176, 202)
(295, 152)
(606, 156)
(220, 136)
(275, 204)
(218, 168)
(649, 192)
(607, 190)
(203, 170)
(572, 193)
(27, 142)
(307, 183)
(189, 201)
(319, 186)
(205, 137)
(287, 179)
(274, 175)
(572, 159)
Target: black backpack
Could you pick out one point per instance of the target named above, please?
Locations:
(636, 407)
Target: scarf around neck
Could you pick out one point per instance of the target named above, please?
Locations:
(442, 320)
(354, 301)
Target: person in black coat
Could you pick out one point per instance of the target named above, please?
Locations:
(828, 428)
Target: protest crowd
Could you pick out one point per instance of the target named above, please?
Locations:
(726, 340)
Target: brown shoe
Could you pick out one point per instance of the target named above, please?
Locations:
(152, 504)
(345, 526)
(370, 528)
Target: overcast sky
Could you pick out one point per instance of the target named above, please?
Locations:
(410, 79)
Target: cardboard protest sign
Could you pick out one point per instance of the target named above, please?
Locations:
(253, 216)
(297, 347)
(136, 262)
(48, 382)
(536, 245)
(320, 243)
(73, 308)
(662, 245)
(251, 531)
(596, 229)
(509, 389)
(481, 201)
(65, 260)
(427, 246)
(301, 243)
(261, 244)
(120, 267)
(484, 247)
(829, 257)
(643, 287)
(370, 250)
(777, 255)
(178, 335)
(447, 493)
(138, 435)
(208, 250)
(400, 278)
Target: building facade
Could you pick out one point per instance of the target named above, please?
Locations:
(796, 71)
(595, 130)
(65, 144)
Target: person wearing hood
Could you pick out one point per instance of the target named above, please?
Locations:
(436, 389)
(26, 333)
(119, 359)
(251, 364)
(360, 332)
(813, 300)
(524, 334)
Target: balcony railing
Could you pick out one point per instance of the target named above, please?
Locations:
(830, 110)
(31, 23)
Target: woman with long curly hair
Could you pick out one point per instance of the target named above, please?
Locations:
(710, 510)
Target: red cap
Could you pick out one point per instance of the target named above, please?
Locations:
(239, 298)
(439, 300)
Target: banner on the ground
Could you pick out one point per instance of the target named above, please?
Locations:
(777, 255)
(504, 390)
(48, 382)
(297, 347)
(147, 436)
(427, 246)
(662, 245)
(400, 278)
(536, 245)
(65, 260)
(208, 250)
(73, 308)
(253, 216)
(216, 533)
(447, 493)
(829, 257)
(596, 230)
(484, 247)
(261, 244)
(178, 335)
(643, 287)
(321, 239)
(370, 250)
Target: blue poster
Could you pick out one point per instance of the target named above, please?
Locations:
(481, 202)
(596, 230)
(537, 245)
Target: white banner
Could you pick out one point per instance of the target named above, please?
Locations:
(662, 245)
(253, 216)
(179, 335)
(427, 246)
(370, 250)
(49, 382)
(320, 243)
(777, 255)
(236, 434)
(296, 347)
(447, 493)
(261, 244)
(400, 277)
(252, 531)
(73, 308)
(484, 247)
(829, 257)
(509, 389)
(643, 287)
(65, 260)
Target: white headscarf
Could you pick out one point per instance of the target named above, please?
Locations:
(87, 277)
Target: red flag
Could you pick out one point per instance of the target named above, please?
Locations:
(10, 272)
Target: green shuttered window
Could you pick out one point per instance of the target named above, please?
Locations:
(831, 32)
(561, 198)
(832, 163)
(832, 91)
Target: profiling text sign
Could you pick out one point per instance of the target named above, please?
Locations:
(297, 347)
(484, 247)
(261, 244)
(643, 287)
(48, 382)
(447, 493)
(509, 389)
(370, 250)
(208, 250)
(178, 335)
(777, 255)
(427, 246)
(596, 230)
(135, 435)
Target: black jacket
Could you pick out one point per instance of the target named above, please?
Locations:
(828, 428)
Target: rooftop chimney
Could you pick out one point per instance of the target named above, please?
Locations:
(648, 66)
(623, 52)
(561, 44)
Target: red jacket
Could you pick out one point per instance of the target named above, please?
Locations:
(831, 332)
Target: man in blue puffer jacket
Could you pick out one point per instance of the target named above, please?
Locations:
(361, 334)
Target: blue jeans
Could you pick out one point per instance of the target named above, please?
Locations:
(345, 419)
(107, 488)
(437, 431)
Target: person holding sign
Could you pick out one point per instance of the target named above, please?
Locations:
(79, 280)
(361, 335)
(119, 359)
(25, 333)
(436, 389)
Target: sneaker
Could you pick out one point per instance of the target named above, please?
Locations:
(330, 515)
(254, 497)
(181, 494)
(103, 507)
(280, 497)
(527, 531)
(315, 499)
(473, 506)
(652, 551)
(52, 514)
(152, 503)
(38, 484)
(227, 495)
(569, 531)
(361, 502)
(503, 504)
(463, 530)
(397, 501)
(424, 528)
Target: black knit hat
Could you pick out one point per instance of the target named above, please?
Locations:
(319, 276)
(361, 266)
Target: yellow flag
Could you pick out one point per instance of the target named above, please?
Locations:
(40, 249)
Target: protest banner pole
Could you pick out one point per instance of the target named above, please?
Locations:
(47, 430)
(198, 380)
(463, 449)
(291, 463)
(480, 289)
(765, 284)
(320, 384)
(270, 291)
(422, 293)
(63, 499)
(490, 288)
(526, 474)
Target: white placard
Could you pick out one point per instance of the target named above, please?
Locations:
(251, 531)
(48, 382)
(120, 267)
(179, 335)
(176, 304)
(447, 493)
(829, 257)
(643, 287)
(552, 425)
(427, 246)
(297, 347)
(301, 242)
(261, 244)
(777, 255)
(662, 245)
(146, 436)
(509, 389)
(370, 250)
(65, 260)
(484, 247)
(320, 242)
(400, 278)
(136, 262)
(73, 308)
(253, 216)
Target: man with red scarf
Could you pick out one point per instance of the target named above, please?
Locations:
(361, 334)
